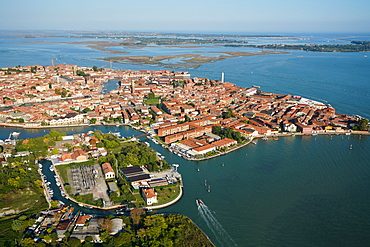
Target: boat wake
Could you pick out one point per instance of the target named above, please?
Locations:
(218, 231)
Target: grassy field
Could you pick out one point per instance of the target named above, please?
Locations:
(23, 200)
(88, 199)
(25, 203)
(167, 193)
(153, 101)
(139, 200)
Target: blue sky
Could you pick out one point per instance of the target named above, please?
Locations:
(189, 15)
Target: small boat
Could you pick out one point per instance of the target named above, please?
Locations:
(15, 134)
(209, 189)
(51, 169)
(276, 138)
(199, 202)
(198, 170)
(120, 211)
(222, 164)
(350, 147)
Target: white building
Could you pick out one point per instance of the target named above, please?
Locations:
(108, 170)
(149, 196)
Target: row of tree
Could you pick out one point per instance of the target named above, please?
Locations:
(227, 133)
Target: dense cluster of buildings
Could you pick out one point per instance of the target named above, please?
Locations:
(189, 107)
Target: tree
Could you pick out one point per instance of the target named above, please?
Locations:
(104, 236)
(151, 95)
(88, 239)
(136, 214)
(48, 238)
(95, 68)
(361, 125)
(74, 242)
(86, 110)
(122, 239)
(187, 118)
(217, 129)
(81, 73)
(237, 136)
(227, 114)
(27, 242)
(54, 204)
(229, 133)
(155, 226)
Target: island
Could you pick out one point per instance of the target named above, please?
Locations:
(197, 118)
(356, 46)
(121, 45)
(193, 60)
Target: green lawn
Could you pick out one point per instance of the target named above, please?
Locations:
(88, 199)
(139, 200)
(62, 169)
(153, 101)
(167, 193)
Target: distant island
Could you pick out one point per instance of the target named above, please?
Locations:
(356, 46)
(127, 42)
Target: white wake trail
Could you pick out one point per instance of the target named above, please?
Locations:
(220, 233)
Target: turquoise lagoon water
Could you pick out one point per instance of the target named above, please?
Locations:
(297, 191)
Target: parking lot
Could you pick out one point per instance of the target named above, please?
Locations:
(86, 180)
(83, 179)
